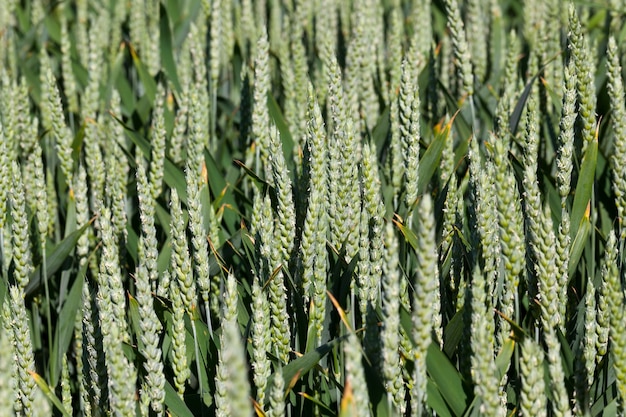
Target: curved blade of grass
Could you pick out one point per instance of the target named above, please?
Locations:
(462, 126)
(144, 76)
(409, 235)
(285, 135)
(49, 393)
(584, 186)
(55, 257)
(323, 407)
(436, 401)
(65, 325)
(306, 362)
(516, 116)
(453, 333)
(447, 379)
(172, 175)
(167, 57)
(430, 161)
(503, 360)
(174, 404)
(579, 243)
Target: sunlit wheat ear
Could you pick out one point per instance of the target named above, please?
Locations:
(77, 351)
(248, 30)
(511, 225)
(586, 350)
(426, 315)
(277, 401)
(8, 366)
(409, 103)
(313, 242)
(485, 212)
(564, 162)
(373, 219)
(261, 340)
(484, 371)
(560, 403)
(343, 185)
(533, 400)
(392, 369)
(361, 66)
(158, 142)
(231, 381)
(181, 268)
(478, 27)
(17, 324)
(285, 227)
(612, 288)
(200, 105)
(15, 114)
(199, 243)
(148, 245)
(178, 140)
(40, 196)
(117, 167)
(5, 180)
(301, 78)
(111, 302)
(178, 352)
(66, 389)
(146, 276)
(260, 116)
(394, 168)
(138, 30)
(615, 87)
(461, 48)
(585, 70)
(355, 373)
(22, 255)
(61, 133)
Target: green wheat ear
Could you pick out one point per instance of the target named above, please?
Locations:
(231, 381)
(391, 365)
(16, 321)
(533, 400)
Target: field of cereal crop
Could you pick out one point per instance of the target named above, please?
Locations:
(312, 208)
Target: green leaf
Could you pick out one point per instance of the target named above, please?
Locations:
(462, 126)
(584, 187)
(409, 235)
(279, 120)
(55, 257)
(135, 319)
(148, 82)
(519, 107)
(430, 161)
(221, 189)
(172, 175)
(167, 57)
(50, 394)
(503, 360)
(453, 332)
(174, 404)
(306, 362)
(436, 401)
(447, 379)
(65, 326)
(578, 245)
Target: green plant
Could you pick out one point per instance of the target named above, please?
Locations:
(347, 208)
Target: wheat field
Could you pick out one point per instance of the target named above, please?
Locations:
(312, 208)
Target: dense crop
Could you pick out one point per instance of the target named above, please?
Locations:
(329, 207)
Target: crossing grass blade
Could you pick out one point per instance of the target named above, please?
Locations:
(584, 186)
(50, 394)
(56, 256)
